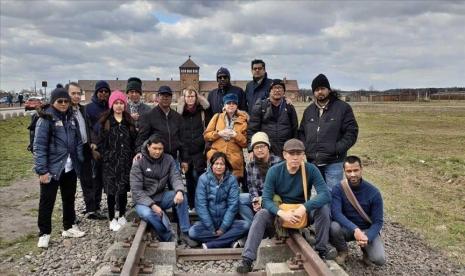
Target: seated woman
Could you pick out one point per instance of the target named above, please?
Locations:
(217, 204)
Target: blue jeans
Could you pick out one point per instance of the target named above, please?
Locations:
(332, 174)
(163, 229)
(201, 233)
(245, 207)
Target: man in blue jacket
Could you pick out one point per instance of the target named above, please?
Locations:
(215, 97)
(257, 89)
(57, 159)
(349, 225)
(285, 180)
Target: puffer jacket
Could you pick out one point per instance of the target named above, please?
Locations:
(328, 138)
(255, 92)
(53, 146)
(215, 98)
(279, 130)
(233, 147)
(217, 203)
(149, 177)
(194, 124)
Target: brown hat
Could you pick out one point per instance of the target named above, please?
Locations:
(294, 145)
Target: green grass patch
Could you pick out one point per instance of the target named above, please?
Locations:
(16, 162)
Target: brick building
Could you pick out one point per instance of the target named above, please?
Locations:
(188, 75)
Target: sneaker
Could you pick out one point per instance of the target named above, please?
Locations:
(95, 215)
(328, 254)
(73, 232)
(245, 266)
(114, 226)
(204, 246)
(187, 240)
(122, 221)
(43, 241)
(308, 236)
(341, 257)
(239, 243)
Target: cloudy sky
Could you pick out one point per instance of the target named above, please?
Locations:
(357, 44)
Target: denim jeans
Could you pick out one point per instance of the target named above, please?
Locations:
(340, 235)
(245, 207)
(201, 233)
(332, 174)
(163, 230)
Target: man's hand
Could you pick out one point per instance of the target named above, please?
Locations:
(256, 204)
(219, 232)
(93, 146)
(289, 216)
(360, 237)
(157, 210)
(135, 116)
(184, 167)
(301, 211)
(178, 198)
(137, 157)
(44, 178)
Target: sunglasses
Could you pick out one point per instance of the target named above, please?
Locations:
(223, 77)
(104, 91)
(62, 101)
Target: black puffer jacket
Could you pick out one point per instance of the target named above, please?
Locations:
(257, 91)
(168, 127)
(215, 98)
(279, 129)
(328, 138)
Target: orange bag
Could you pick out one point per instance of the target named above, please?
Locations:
(288, 206)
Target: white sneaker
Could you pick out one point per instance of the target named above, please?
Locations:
(122, 221)
(73, 232)
(43, 241)
(239, 243)
(114, 226)
(204, 246)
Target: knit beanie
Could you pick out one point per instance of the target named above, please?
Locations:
(230, 97)
(260, 137)
(221, 72)
(59, 93)
(117, 95)
(102, 84)
(277, 82)
(320, 81)
(134, 84)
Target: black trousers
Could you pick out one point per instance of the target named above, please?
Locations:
(97, 185)
(86, 180)
(48, 194)
(122, 201)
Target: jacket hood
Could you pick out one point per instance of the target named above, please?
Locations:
(201, 101)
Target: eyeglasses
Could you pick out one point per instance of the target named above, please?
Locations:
(223, 77)
(278, 87)
(62, 101)
(260, 147)
(257, 68)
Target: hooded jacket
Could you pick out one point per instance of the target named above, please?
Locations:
(233, 147)
(194, 124)
(255, 91)
(53, 146)
(94, 110)
(215, 98)
(217, 203)
(149, 177)
(328, 138)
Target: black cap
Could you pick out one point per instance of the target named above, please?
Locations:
(164, 89)
(277, 82)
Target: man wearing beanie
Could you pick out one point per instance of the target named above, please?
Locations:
(135, 106)
(215, 97)
(97, 106)
(57, 162)
(259, 88)
(256, 169)
(328, 129)
(275, 117)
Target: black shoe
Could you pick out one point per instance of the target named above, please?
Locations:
(187, 240)
(329, 254)
(245, 267)
(95, 215)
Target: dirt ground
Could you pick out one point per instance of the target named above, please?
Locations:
(18, 209)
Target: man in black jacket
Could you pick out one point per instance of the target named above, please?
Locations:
(167, 124)
(215, 97)
(328, 129)
(275, 117)
(257, 89)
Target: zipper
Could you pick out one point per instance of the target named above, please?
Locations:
(169, 132)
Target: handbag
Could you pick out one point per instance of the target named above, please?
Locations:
(302, 223)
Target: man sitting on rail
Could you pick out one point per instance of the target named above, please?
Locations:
(285, 180)
(352, 224)
(151, 177)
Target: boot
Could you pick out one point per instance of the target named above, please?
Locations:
(245, 266)
(365, 260)
(341, 257)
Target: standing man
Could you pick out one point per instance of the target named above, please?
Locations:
(257, 89)
(215, 97)
(20, 99)
(135, 106)
(97, 106)
(328, 129)
(350, 224)
(285, 180)
(275, 117)
(167, 124)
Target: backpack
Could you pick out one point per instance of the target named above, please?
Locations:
(32, 131)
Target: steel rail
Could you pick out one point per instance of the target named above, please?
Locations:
(209, 254)
(254, 273)
(131, 265)
(312, 263)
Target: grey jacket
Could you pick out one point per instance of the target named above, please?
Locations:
(150, 177)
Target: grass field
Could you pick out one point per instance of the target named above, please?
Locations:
(415, 153)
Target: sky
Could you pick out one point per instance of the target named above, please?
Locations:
(356, 44)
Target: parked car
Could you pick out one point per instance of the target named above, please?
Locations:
(33, 103)
(4, 100)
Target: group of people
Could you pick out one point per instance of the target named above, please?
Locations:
(118, 144)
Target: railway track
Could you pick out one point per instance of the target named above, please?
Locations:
(136, 263)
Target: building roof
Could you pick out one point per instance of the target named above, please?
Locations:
(189, 64)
